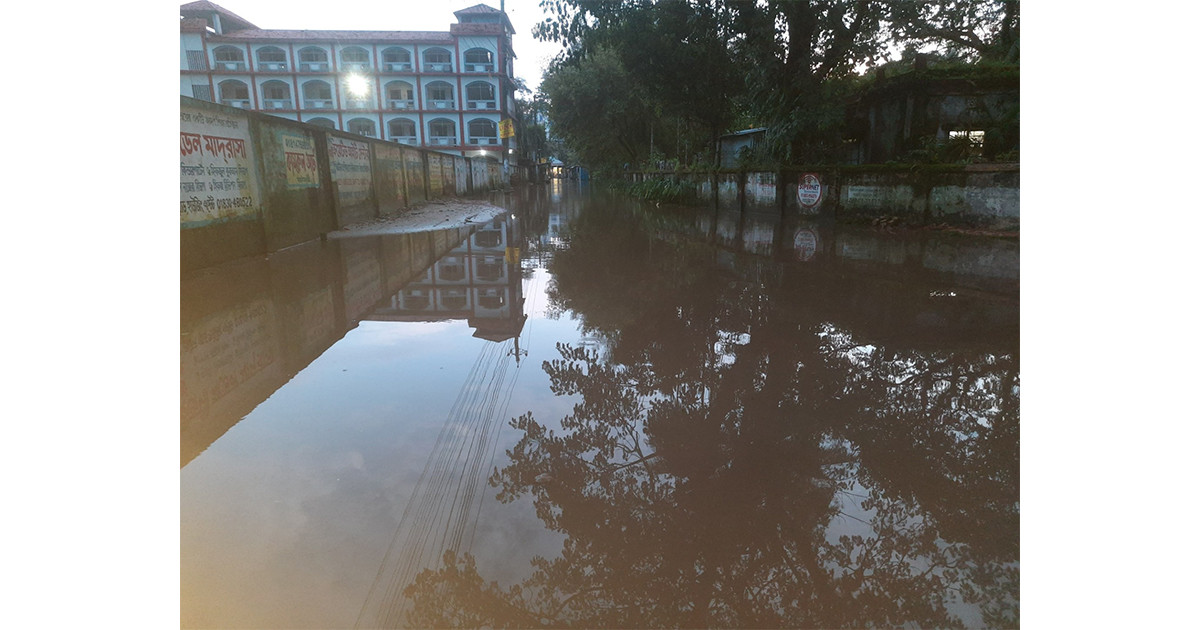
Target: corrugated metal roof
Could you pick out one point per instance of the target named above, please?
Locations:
(204, 6)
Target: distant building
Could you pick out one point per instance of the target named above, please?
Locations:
(731, 146)
(442, 90)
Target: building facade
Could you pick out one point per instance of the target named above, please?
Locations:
(448, 91)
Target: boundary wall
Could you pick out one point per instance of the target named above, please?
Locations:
(251, 183)
(974, 195)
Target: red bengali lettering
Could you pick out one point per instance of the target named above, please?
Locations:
(189, 143)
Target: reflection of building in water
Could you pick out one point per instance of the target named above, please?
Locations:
(479, 280)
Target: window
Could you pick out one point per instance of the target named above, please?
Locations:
(399, 95)
(277, 95)
(439, 95)
(321, 122)
(397, 59)
(317, 95)
(202, 92)
(970, 141)
(361, 126)
(196, 60)
(478, 60)
(271, 59)
(234, 93)
(313, 59)
(442, 131)
(437, 60)
(402, 129)
(481, 95)
(356, 57)
(229, 58)
(481, 131)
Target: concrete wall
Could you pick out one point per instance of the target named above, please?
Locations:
(977, 195)
(252, 183)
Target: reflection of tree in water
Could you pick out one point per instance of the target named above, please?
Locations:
(737, 460)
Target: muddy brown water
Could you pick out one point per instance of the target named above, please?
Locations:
(590, 412)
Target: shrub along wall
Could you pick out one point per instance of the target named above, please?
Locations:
(252, 183)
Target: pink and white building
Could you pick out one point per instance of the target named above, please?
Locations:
(441, 90)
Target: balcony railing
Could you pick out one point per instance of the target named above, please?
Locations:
(401, 103)
(318, 103)
(277, 103)
(237, 102)
(358, 103)
(437, 67)
(481, 104)
(482, 140)
(479, 67)
(403, 139)
(314, 66)
(399, 66)
(232, 66)
(441, 104)
(355, 66)
(443, 140)
(272, 66)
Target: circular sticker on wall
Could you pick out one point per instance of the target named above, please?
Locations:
(805, 244)
(808, 192)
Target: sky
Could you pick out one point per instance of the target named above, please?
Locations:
(401, 15)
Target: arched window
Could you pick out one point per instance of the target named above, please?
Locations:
(313, 59)
(399, 95)
(439, 95)
(361, 126)
(322, 122)
(355, 58)
(442, 131)
(437, 60)
(478, 60)
(402, 130)
(235, 93)
(229, 58)
(481, 131)
(397, 59)
(277, 95)
(317, 95)
(481, 95)
(271, 58)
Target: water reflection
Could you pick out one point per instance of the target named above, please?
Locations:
(737, 420)
(762, 445)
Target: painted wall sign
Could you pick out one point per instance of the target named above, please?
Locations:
(808, 192)
(805, 244)
(350, 166)
(391, 166)
(217, 178)
(300, 160)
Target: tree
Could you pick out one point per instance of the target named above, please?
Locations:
(988, 30)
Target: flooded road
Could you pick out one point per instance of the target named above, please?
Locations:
(591, 412)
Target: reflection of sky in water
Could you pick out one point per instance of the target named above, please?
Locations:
(304, 494)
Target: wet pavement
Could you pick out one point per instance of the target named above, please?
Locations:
(591, 412)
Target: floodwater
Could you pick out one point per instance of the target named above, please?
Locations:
(592, 412)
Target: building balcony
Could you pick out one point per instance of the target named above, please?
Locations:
(479, 67)
(478, 140)
(443, 140)
(314, 66)
(441, 104)
(242, 103)
(277, 103)
(231, 66)
(399, 67)
(356, 66)
(481, 104)
(358, 103)
(438, 67)
(318, 103)
(404, 139)
(273, 66)
(401, 104)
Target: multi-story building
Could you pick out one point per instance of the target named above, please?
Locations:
(443, 90)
